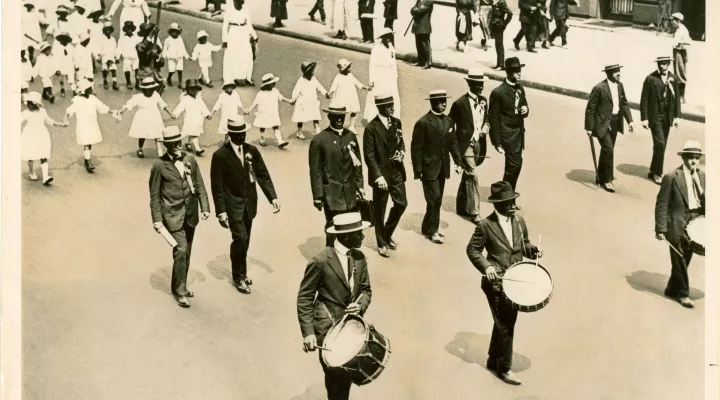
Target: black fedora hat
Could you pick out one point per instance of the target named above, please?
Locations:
(513, 63)
(501, 191)
(192, 83)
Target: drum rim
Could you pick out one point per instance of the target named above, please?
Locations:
(534, 307)
(348, 316)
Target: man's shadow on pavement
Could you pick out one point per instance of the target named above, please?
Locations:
(160, 279)
(314, 392)
(639, 171)
(413, 222)
(473, 347)
(583, 177)
(221, 268)
(655, 283)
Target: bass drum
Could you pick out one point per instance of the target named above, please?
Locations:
(695, 232)
(527, 285)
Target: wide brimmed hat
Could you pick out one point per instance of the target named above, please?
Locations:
(334, 110)
(229, 83)
(129, 25)
(307, 66)
(201, 34)
(192, 83)
(691, 147)
(84, 85)
(343, 64)
(382, 99)
(108, 25)
(28, 3)
(663, 59)
(437, 95)
(171, 134)
(678, 16)
(268, 79)
(513, 63)
(384, 32)
(237, 124)
(346, 223)
(33, 97)
(95, 14)
(174, 27)
(475, 75)
(502, 191)
(42, 46)
(148, 83)
(612, 67)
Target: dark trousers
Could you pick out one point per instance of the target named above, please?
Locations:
(433, 191)
(337, 383)
(660, 131)
(504, 317)
(528, 29)
(561, 29)
(468, 195)
(513, 165)
(181, 259)
(385, 229)
(424, 52)
(329, 214)
(679, 283)
(498, 34)
(606, 162)
(366, 25)
(318, 7)
(240, 230)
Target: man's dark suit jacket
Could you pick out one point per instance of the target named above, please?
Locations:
(390, 9)
(324, 275)
(366, 7)
(379, 145)
(461, 114)
(233, 193)
(526, 14)
(422, 13)
(501, 254)
(171, 201)
(333, 177)
(653, 92)
(559, 9)
(433, 142)
(672, 212)
(599, 109)
(506, 127)
(500, 16)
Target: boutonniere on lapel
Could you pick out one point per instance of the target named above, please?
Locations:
(350, 151)
(248, 162)
(188, 177)
(483, 104)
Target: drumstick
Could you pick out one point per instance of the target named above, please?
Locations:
(673, 247)
(509, 279)
(323, 348)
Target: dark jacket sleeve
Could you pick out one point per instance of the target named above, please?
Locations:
(365, 289)
(644, 98)
(369, 150)
(529, 249)
(494, 116)
(624, 105)
(416, 146)
(402, 138)
(677, 105)
(662, 204)
(504, 9)
(306, 297)
(523, 102)
(217, 183)
(155, 187)
(359, 180)
(454, 146)
(591, 108)
(476, 246)
(316, 184)
(199, 186)
(263, 176)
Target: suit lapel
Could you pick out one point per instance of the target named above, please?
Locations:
(606, 88)
(337, 267)
(383, 131)
(682, 185)
(517, 233)
(469, 109)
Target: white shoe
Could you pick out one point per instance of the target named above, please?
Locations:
(33, 177)
(300, 136)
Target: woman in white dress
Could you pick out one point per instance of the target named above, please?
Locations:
(35, 140)
(307, 105)
(238, 35)
(383, 74)
(340, 18)
(344, 93)
(147, 122)
(228, 103)
(267, 102)
(136, 11)
(30, 24)
(85, 107)
(83, 59)
(196, 111)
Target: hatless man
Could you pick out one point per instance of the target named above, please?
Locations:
(422, 28)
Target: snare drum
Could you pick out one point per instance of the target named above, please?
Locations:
(356, 348)
(695, 232)
(527, 285)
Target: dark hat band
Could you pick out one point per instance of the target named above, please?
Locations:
(172, 138)
(383, 101)
(692, 150)
(337, 110)
(476, 77)
(345, 227)
(438, 96)
(237, 128)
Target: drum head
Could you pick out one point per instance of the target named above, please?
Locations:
(344, 341)
(535, 288)
(696, 230)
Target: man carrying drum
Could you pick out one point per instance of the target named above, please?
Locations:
(339, 277)
(505, 237)
(680, 200)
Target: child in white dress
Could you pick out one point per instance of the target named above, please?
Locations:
(106, 54)
(147, 122)
(175, 52)
(82, 58)
(344, 93)
(267, 101)
(202, 53)
(45, 69)
(96, 36)
(229, 102)
(63, 61)
(35, 140)
(196, 111)
(126, 49)
(307, 107)
(85, 107)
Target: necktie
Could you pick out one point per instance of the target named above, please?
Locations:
(240, 155)
(697, 190)
(476, 103)
(350, 270)
(517, 99)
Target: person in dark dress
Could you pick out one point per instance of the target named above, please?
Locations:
(278, 10)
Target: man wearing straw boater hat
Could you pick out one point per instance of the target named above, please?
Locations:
(681, 198)
(604, 115)
(176, 188)
(659, 110)
(469, 113)
(384, 149)
(505, 237)
(237, 168)
(336, 177)
(336, 282)
(433, 142)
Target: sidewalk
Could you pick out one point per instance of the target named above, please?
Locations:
(573, 71)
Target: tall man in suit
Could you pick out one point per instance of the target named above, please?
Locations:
(505, 237)
(528, 24)
(559, 11)
(176, 188)
(508, 110)
(384, 148)
(603, 119)
(334, 281)
(659, 110)
(469, 113)
(681, 198)
(235, 171)
(500, 16)
(422, 28)
(336, 176)
(433, 142)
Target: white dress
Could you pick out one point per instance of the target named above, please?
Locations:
(384, 75)
(133, 10)
(96, 39)
(106, 50)
(85, 110)
(195, 111)
(339, 15)
(45, 69)
(147, 122)
(237, 30)
(82, 58)
(268, 111)
(344, 92)
(31, 32)
(126, 50)
(35, 135)
(28, 71)
(229, 106)
(79, 24)
(307, 105)
(64, 61)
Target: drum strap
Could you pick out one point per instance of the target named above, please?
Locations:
(328, 313)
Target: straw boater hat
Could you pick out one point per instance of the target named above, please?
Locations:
(475, 75)
(385, 32)
(108, 25)
(678, 16)
(229, 83)
(174, 27)
(201, 34)
(84, 85)
(663, 59)
(513, 63)
(343, 64)
(237, 124)
(346, 223)
(334, 110)
(33, 97)
(43, 46)
(192, 83)
(382, 99)
(307, 66)
(612, 67)
(691, 147)
(502, 191)
(268, 79)
(437, 95)
(148, 83)
(171, 134)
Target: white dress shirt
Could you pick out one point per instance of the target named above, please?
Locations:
(238, 153)
(615, 93)
(681, 37)
(693, 200)
(478, 116)
(344, 262)
(506, 225)
(180, 167)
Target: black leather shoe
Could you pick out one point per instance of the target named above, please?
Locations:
(391, 245)
(532, 51)
(182, 301)
(509, 378)
(427, 66)
(242, 287)
(517, 45)
(383, 251)
(312, 17)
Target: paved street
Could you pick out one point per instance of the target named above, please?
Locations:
(99, 321)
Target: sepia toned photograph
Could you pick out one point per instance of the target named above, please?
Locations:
(358, 199)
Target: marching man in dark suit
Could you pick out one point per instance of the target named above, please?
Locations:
(422, 28)
(235, 171)
(176, 188)
(336, 176)
(528, 24)
(384, 149)
(469, 113)
(500, 16)
(659, 110)
(433, 142)
(508, 110)
(333, 283)
(559, 11)
(681, 198)
(505, 237)
(604, 119)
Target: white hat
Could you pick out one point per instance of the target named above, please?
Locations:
(148, 83)
(84, 85)
(382, 99)
(43, 46)
(33, 97)
(174, 26)
(346, 223)
(437, 94)
(83, 36)
(691, 147)
(475, 75)
(343, 64)
(228, 83)
(678, 16)
(384, 32)
(171, 134)
(201, 34)
(268, 79)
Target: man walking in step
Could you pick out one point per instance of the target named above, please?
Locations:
(604, 115)
(528, 26)
(500, 16)
(422, 28)
(235, 171)
(559, 11)
(384, 149)
(659, 110)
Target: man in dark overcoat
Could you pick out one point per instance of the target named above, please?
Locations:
(500, 16)
(528, 24)
(559, 11)
(422, 28)
(236, 169)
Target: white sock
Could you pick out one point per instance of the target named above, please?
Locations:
(278, 136)
(159, 148)
(45, 167)
(196, 143)
(317, 127)
(86, 153)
